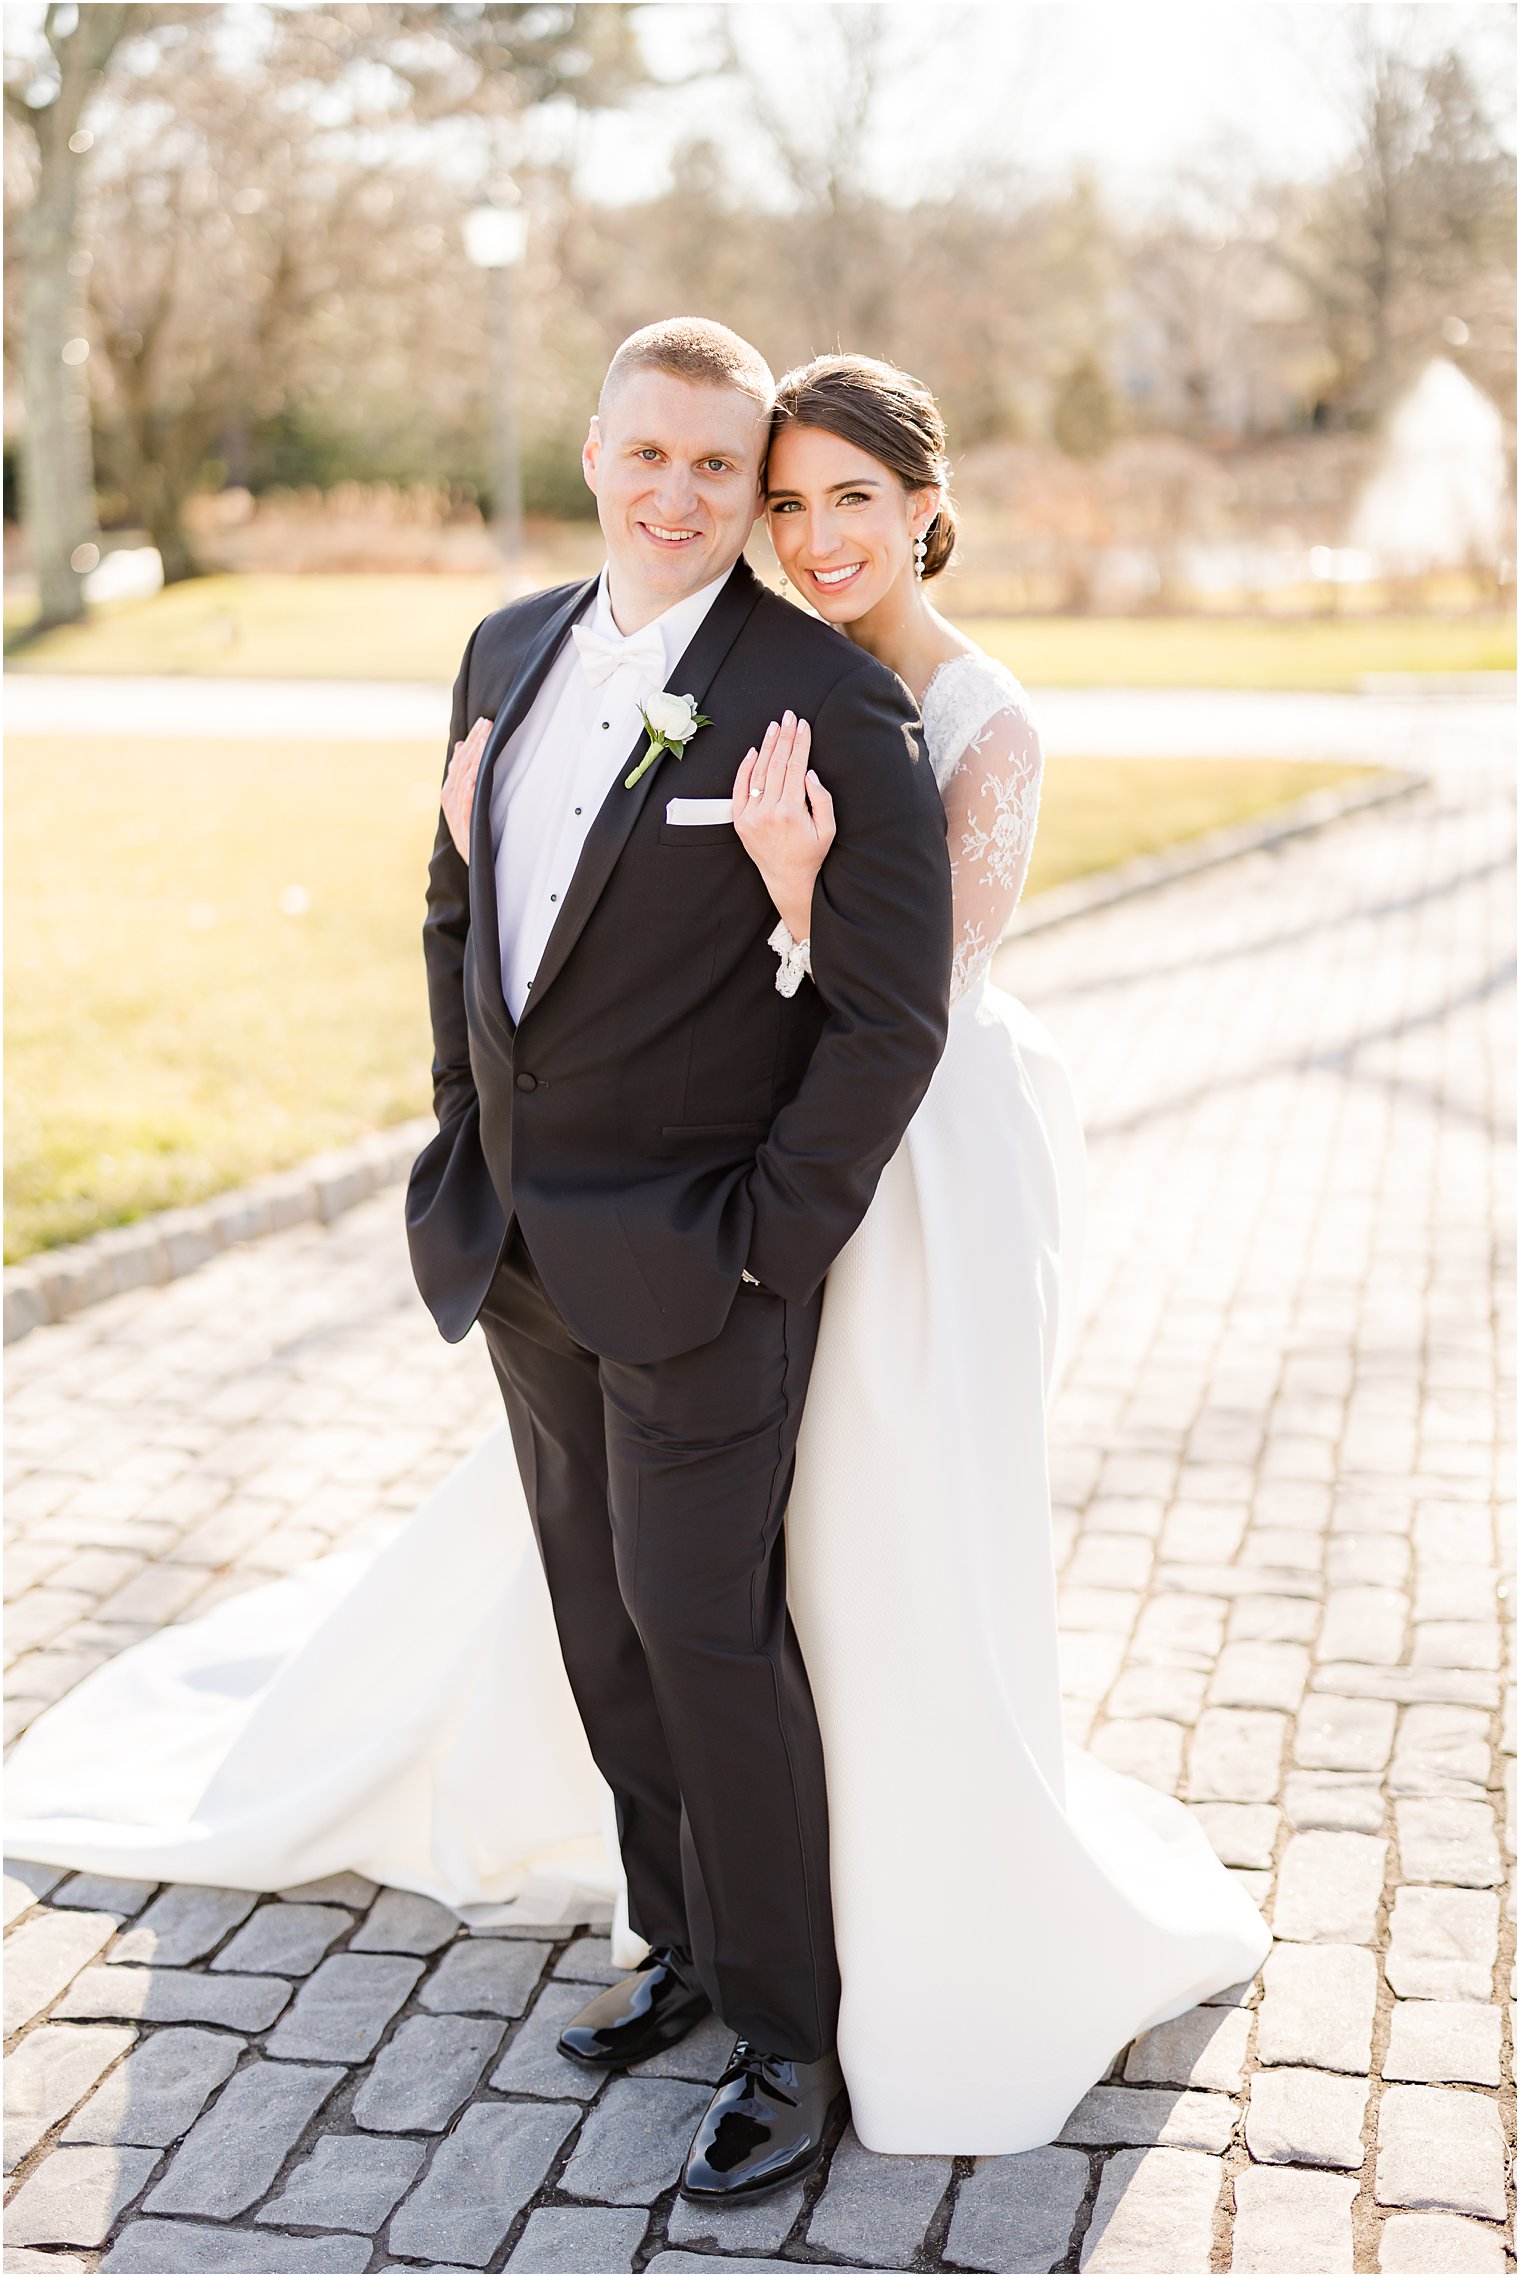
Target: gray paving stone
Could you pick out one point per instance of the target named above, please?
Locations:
(1442, 1751)
(1203, 2047)
(1242, 1995)
(1339, 1734)
(1180, 2119)
(1337, 1801)
(44, 1954)
(1443, 1944)
(703, 2054)
(1438, 2245)
(1442, 1839)
(572, 2239)
(101, 1893)
(1272, 1620)
(182, 1924)
(428, 2068)
(877, 2209)
(1017, 2212)
(354, 1890)
(484, 2174)
(1458, 1644)
(1329, 1888)
(175, 1996)
(400, 1921)
(159, 2091)
(757, 2225)
(233, 2153)
(19, 2257)
(533, 2065)
(284, 1940)
(1143, 1747)
(25, 1883)
(1154, 2213)
(48, 2073)
(680, 2264)
(350, 2182)
(634, 2143)
(1173, 1693)
(1260, 1675)
(1363, 1622)
(1464, 1687)
(1241, 1834)
(1317, 2006)
(1286, 2223)
(1178, 1631)
(1236, 1756)
(1438, 2040)
(1306, 2118)
(76, 2196)
(588, 1960)
(165, 2249)
(340, 2013)
(490, 1977)
(1442, 2151)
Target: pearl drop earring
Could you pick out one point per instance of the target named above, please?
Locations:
(920, 549)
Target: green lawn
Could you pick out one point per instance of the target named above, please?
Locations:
(214, 962)
(1240, 652)
(414, 628)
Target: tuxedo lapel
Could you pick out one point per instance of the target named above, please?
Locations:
(510, 714)
(620, 809)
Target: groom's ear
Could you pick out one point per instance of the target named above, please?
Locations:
(591, 451)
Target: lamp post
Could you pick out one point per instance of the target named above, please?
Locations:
(495, 238)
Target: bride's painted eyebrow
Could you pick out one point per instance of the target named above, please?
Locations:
(857, 482)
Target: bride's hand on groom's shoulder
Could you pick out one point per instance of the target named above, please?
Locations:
(459, 784)
(785, 819)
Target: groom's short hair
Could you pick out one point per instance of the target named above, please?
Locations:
(692, 348)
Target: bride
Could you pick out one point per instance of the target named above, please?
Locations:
(403, 1710)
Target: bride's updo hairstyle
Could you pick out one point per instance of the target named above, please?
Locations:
(881, 410)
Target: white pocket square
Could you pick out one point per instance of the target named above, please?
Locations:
(699, 810)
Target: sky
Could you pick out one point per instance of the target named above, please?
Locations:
(1134, 92)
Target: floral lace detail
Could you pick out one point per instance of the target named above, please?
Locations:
(985, 751)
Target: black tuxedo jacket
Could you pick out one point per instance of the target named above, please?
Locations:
(661, 1117)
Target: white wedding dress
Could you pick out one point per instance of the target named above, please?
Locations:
(403, 1710)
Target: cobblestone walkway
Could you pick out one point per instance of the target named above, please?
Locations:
(1280, 1463)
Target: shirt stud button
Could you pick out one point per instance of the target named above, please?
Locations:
(554, 897)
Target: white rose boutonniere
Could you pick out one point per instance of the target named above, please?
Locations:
(671, 722)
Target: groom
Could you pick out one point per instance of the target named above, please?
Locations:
(647, 1160)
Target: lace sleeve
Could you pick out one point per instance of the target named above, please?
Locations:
(992, 801)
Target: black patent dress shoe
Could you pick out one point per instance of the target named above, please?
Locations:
(764, 2126)
(639, 2015)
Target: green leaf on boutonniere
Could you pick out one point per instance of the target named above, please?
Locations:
(670, 723)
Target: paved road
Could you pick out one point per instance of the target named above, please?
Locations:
(1118, 723)
(1281, 1462)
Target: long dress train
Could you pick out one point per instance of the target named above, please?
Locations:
(404, 1711)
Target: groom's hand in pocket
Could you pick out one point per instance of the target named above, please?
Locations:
(459, 784)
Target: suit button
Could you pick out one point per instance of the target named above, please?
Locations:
(526, 1082)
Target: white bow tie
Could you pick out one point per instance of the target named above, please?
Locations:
(602, 654)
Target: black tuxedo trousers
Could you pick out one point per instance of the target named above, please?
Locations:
(657, 1120)
(657, 1492)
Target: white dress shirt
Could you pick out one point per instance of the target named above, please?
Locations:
(555, 771)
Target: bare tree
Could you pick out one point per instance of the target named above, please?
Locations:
(272, 193)
(1421, 214)
(46, 96)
